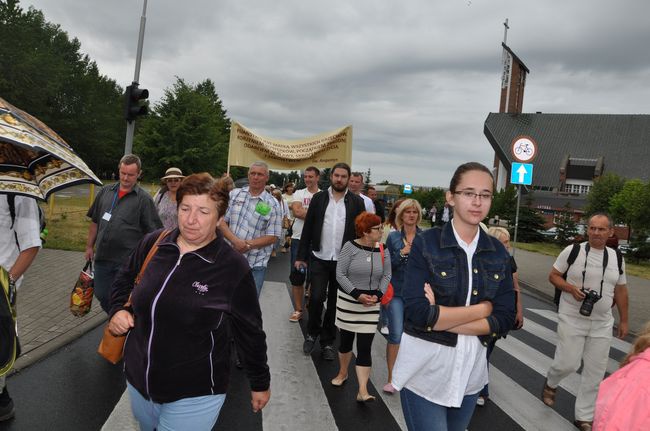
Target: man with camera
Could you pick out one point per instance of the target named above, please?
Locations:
(590, 288)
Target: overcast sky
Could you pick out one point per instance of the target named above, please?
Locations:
(416, 78)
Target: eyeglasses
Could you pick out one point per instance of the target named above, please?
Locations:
(173, 180)
(470, 196)
(377, 228)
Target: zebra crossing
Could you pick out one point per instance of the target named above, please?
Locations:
(303, 399)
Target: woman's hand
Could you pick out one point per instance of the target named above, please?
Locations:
(428, 293)
(121, 323)
(259, 399)
(368, 300)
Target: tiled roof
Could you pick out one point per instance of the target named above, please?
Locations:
(622, 140)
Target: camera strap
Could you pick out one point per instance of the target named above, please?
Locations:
(605, 263)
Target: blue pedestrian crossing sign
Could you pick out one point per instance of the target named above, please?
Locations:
(408, 189)
(522, 173)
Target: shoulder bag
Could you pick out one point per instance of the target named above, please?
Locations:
(111, 347)
(390, 292)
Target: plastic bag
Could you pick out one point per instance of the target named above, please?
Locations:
(81, 297)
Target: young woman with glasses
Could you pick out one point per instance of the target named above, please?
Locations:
(458, 294)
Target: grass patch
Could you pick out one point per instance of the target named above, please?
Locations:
(66, 219)
(641, 270)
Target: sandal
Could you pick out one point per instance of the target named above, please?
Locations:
(583, 425)
(338, 381)
(365, 398)
(295, 316)
(548, 395)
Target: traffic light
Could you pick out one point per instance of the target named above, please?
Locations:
(135, 101)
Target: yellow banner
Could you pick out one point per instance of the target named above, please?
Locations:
(321, 151)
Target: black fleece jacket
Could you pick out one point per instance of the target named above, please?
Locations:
(185, 309)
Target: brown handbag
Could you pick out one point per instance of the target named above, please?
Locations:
(111, 347)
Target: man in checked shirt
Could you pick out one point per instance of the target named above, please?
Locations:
(253, 222)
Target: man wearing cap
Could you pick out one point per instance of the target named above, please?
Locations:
(121, 215)
(165, 199)
(253, 222)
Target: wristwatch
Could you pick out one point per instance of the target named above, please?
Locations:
(248, 246)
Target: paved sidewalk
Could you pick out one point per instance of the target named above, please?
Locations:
(45, 323)
(534, 268)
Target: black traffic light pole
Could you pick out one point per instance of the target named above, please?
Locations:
(133, 93)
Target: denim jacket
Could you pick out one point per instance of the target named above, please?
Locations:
(398, 262)
(437, 259)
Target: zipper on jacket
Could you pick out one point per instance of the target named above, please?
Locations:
(211, 351)
(153, 311)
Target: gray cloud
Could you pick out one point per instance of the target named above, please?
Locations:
(416, 79)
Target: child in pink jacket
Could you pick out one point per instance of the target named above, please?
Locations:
(623, 402)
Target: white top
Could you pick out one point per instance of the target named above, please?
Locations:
(333, 229)
(304, 197)
(288, 199)
(602, 310)
(443, 374)
(25, 233)
(370, 205)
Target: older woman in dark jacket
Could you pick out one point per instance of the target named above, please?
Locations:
(195, 291)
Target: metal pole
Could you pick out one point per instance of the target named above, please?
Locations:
(516, 218)
(130, 125)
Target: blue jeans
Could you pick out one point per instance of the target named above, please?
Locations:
(395, 311)
(196, 413)
(258, 276)
(105, 272)
(423, 415)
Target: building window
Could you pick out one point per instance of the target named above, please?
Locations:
(579, 189)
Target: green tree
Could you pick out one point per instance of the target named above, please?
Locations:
(566, 225)
(504, 204)
(601, 193)
(630, 205)
(530, 222)
(427, 198)
(44, 73)
(366, 181)
(188, 129)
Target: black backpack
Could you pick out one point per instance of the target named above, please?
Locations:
(572, 258)
(11, 202)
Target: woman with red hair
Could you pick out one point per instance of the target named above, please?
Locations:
(363, 276)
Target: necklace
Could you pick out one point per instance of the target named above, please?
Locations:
(366, 252)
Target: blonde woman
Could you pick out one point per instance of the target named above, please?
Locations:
(408, 214)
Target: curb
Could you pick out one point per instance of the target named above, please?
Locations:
(42, 351)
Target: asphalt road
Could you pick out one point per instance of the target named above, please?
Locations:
(74, 389)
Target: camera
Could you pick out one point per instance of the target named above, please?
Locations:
(591, 297)
(297, 276)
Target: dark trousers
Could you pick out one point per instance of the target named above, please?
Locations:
(323, 285)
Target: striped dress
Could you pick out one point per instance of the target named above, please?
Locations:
(360, 270)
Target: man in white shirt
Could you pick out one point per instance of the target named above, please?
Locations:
(355, 185)
(329, 223)
(21, 241)
(299, 205)
(594, 283)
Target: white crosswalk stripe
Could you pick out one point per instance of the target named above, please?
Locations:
(309, 407)
(617, 343)
(551, 336)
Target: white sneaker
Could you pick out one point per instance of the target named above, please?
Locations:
(384, 330)
(480, 401)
